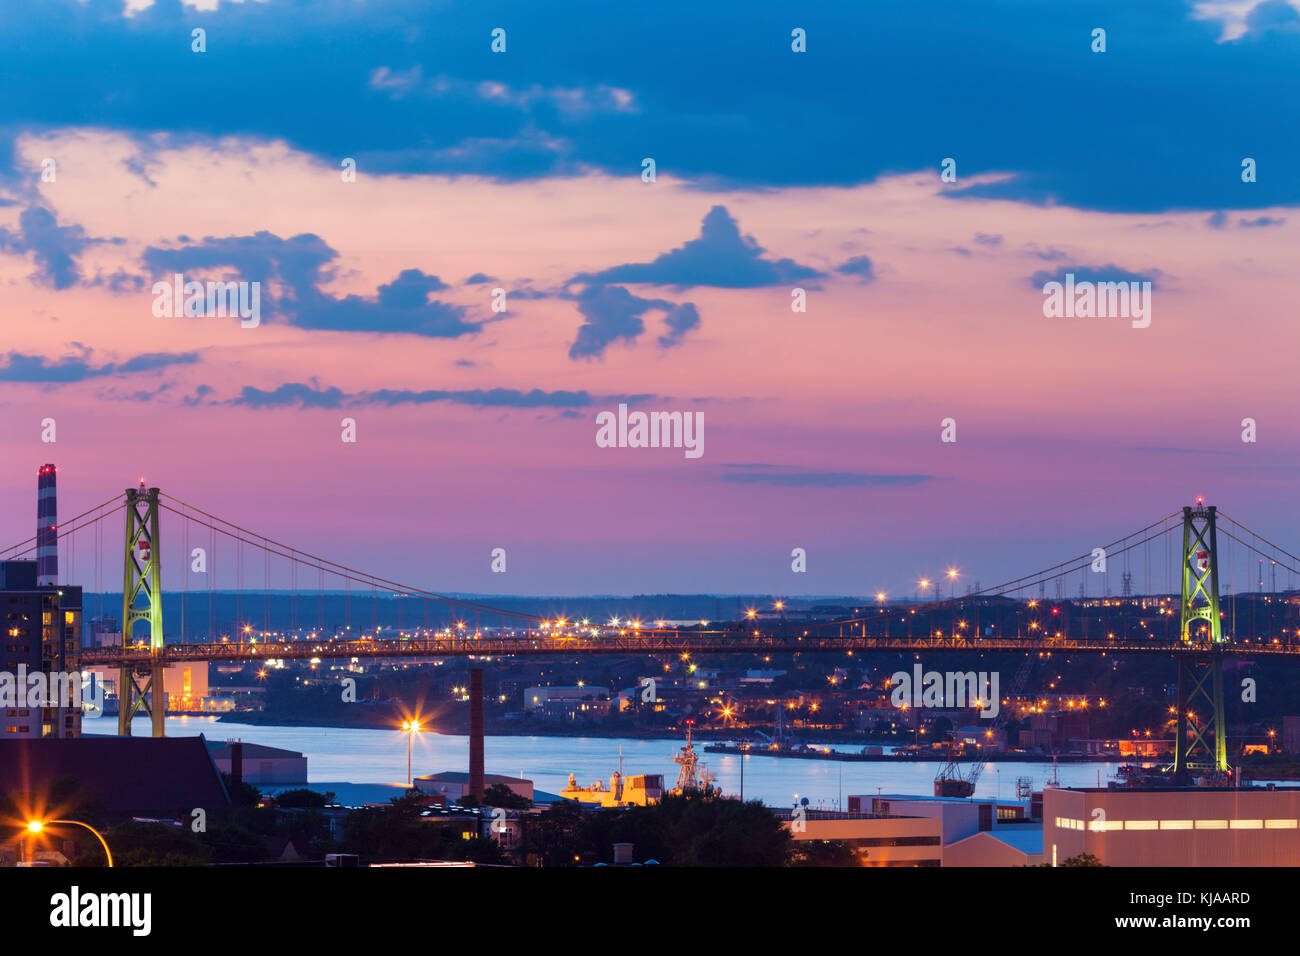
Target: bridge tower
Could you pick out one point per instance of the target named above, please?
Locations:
(140, 685)
(1201, 743)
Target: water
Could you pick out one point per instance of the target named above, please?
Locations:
(366, 756)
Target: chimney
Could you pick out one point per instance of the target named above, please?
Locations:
(47, 527)
(236, 768)
(622, 853)
(476, 732)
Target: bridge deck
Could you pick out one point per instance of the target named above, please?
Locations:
(654, 642)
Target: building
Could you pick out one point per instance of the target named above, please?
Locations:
(185, 684)
(567, 703)
(1007, 845)
(156, 777)
(959, 817)
(454, 784)
(42, 633)
(1201, 826)
(47, 527)
(876, 839)
(1291, 735)
(260, 764)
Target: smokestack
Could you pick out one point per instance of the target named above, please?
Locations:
(236, 768)
(47, 527)
(476, 732)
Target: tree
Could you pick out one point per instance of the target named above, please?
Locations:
(148, 844)
(303, 798)
(695, 829)
(499, 795)
(822, 853)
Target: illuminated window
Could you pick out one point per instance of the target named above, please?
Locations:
(1211, 824)
(1175, 824)
(1279, 824)
(1246, 824)
(1140, 824)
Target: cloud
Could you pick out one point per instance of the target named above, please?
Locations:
(55, 248)
(20, 367)
(1219, 220)
(720, 257)
(611, 313)
(290, 394)
(409, 290)
(312, 395)
(299, 265)
(860, 266)
(1107, 273)
(679, 321)
(786, 476)
(395, 71)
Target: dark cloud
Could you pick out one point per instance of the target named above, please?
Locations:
(860, 266)
(1219, 220)
(20, 367)
(55, 248)
(410, 290)
(299, 265)
(399, 69)
(480, 278)
(984, 239)
(200, 393)
(720, 257)
(680, 320)
(290, 393)
(1108, 273)
(611, 313)
(789, 477)
(302, 395)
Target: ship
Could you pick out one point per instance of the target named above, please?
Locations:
(638, 790)
(952, 780)
(692, 777)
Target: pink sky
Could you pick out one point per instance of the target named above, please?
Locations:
(1068, 429)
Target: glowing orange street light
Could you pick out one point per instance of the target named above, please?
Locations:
(36, 826)
(412, 727)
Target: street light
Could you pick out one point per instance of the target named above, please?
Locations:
(412, 727)
(36, 826)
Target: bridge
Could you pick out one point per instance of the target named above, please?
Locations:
(1198, 646)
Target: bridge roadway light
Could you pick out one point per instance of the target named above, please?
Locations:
(36, 826)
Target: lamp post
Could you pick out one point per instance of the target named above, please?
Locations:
(412, 727)
(36, 826)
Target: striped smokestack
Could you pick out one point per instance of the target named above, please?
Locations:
(47, 525)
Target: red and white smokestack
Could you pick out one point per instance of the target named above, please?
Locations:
(47, 527)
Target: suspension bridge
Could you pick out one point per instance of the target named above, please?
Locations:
(1198, 643)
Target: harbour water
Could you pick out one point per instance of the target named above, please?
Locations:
(367, 756)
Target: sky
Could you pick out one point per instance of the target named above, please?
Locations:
(501, 268)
